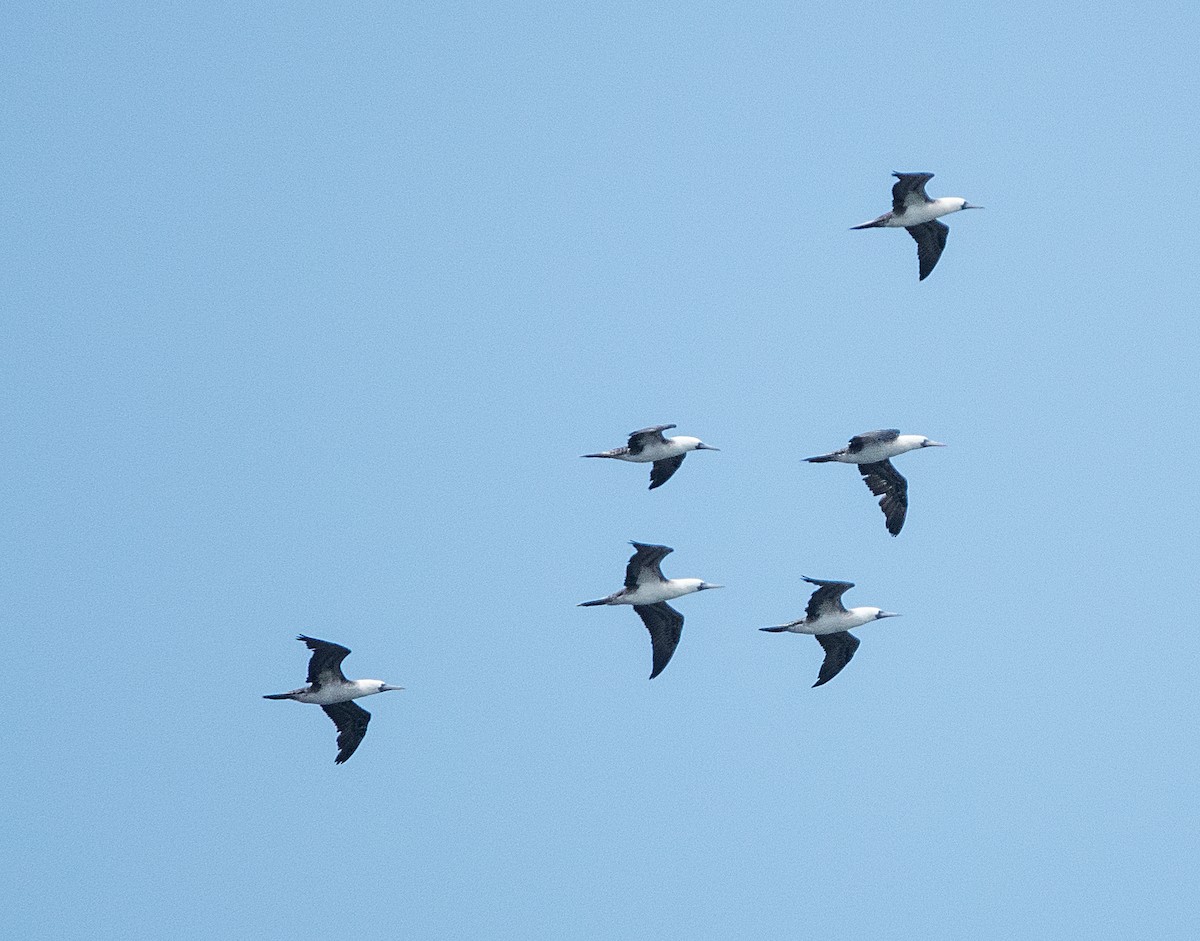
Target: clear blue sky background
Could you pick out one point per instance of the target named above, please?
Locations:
(310, 310)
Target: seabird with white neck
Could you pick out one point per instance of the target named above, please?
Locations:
(648, 591)
(650, 446)
(829, 620)
(328, 688)
(913, 210)
(871, 451)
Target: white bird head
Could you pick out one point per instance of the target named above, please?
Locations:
(693, 444)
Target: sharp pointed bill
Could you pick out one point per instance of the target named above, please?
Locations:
(650, 446)
(648, 590)
(872, 452)
(913, 210)
(328, 688)
(830, 622)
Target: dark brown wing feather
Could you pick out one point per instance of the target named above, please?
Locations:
(665, 625)
(645, 563)
(639, 439)
(828, 596)
(661, 471)
(931, 240)
(909, 190)
(892, 489)
(839, 650)
(351, 722)
(326, 662)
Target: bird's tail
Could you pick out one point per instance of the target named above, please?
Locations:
(774, 630)
(821, 458)
(873, 224)
(279, 696)
(615, 452)
(591, 604)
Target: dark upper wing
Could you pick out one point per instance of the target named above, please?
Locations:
(326, 662)
(858, 442)
(644, 565)
(661, 471)
(639, 439)
(931, 239)
(839, 649)
(885, 482)
(351, 722)
(827, 597)
(665, 624)
(909, 190)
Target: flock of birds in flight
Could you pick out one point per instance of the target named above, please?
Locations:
(646, 588)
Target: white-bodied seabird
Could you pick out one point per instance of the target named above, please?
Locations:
(650, 446)
(648, 591)
(913, 210)
(828, 619)
(871, 451)
(328, 688)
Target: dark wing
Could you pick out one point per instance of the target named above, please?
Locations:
(326, 663)
(351, 722)
(909, 191)
(839, 650)
(827, 597)
(644, 565)
(858, 442)
(661, 471)
(639, 439)
(665, 624)
(931, 239)
(885, 482)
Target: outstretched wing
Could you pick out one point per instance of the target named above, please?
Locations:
(931, 239)
(909, 190)
(326, 664)
(665, 625)
(882, 436)
(644, 565)
(827, 599)
(892, 489)
(639, 439)
(661, 471)
(839, 650)
(351, 722)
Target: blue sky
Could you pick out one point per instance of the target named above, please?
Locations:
(311, 311)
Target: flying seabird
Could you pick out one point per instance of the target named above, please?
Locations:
(913, 210)
(328, 688)
(829, 620)
(648, 591)
(649, 445)
(870, 451)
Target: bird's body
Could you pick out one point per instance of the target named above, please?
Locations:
(827, 619)
(328, 688)
(649, 591)
(872, 452)
(650, 446)
(913, 210)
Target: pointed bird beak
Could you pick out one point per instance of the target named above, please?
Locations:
(887, 614)
(934, 444)
(704, 585)
(971, 206)
(706, 447)
(385, 688)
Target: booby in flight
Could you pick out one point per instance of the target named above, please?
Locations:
(648, 591)
(871, 451)
(913, 210)
(828, 619)
(649, 445)
(328, 688)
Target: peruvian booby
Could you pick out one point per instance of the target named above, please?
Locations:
(328, 688)
(913, 210)
(828, 619)
(648, 591)
(871, 452)
(650, 446)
